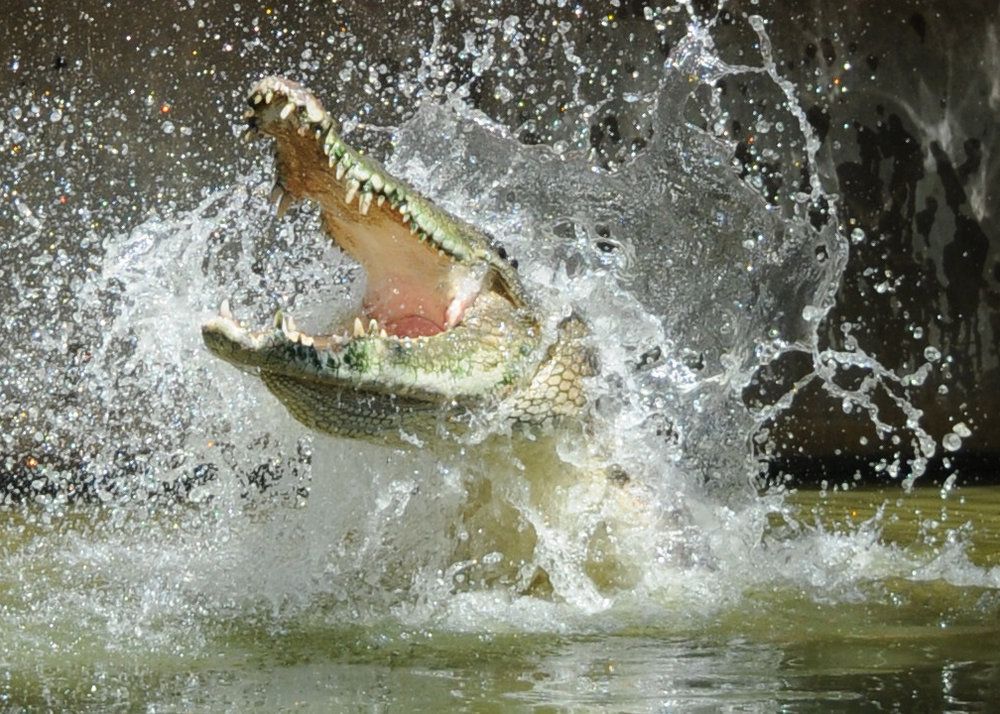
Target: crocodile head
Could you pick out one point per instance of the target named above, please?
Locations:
(444, 326)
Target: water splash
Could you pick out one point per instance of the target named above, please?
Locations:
(219, 508)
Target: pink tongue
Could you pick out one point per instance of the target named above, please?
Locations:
(412, 326)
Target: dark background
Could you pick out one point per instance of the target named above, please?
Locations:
(118, 111)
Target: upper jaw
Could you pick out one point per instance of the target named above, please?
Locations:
(448, 272)
(424, 267)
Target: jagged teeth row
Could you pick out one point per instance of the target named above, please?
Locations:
(291, 331)
(363, 183)
(369, 186)
(373, 329)
(286, 323)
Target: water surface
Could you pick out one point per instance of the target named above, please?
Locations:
(854, 614)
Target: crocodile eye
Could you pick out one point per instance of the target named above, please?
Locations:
(502, 252)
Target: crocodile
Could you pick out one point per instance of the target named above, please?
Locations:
(446, 330)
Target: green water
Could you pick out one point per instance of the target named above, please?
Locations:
(888, 640)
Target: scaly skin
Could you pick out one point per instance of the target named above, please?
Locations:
(450, 331)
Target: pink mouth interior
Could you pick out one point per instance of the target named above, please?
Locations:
(412, 326)
(402, 306)
(413, 288)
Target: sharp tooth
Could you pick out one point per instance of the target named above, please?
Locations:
(383, 334)
(360, 172)
(379, 200)
(372, 326)
(377, 183)
(352, 191)
(269, 96)
(279, 318)
(359, 329)
(249, 114)
(341, 169)
(224, 310)
(286, 111)
(247, 136)
(364, 203)
(306, 340)
(288, 329)
(257, 98)
(276, 193)
(290, 321)
(285, 203)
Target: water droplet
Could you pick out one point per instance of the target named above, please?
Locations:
(952, 441)
(811, 313)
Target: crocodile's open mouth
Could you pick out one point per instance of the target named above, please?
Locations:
(443, 314)
(422, 276)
